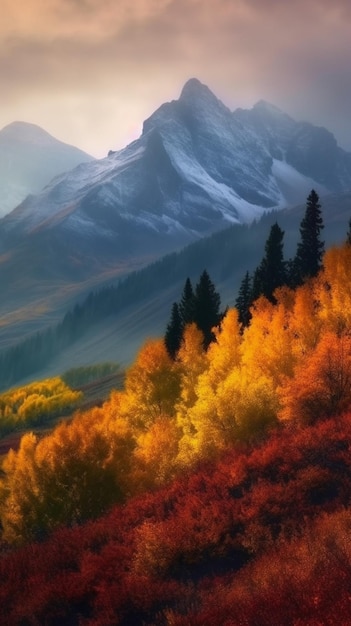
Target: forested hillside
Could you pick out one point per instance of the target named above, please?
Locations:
(226, 256)
(222, 471)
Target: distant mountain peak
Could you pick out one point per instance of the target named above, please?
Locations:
(268, 110)
(264, 105)
(25, 131)
(29, 159)
(196, 90)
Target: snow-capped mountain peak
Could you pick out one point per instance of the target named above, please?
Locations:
(196, 168)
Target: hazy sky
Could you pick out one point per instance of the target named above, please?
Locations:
(90, 71)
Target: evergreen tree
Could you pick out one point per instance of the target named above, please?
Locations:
(174, 332)
(348, 236)
(309, 254)
(244, 300)
(207, 305)
(268, 276)
(272, 270)
(257, 284)
(187, 304)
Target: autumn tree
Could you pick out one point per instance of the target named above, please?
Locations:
(71, 475)
(152, 386)
(267, 345)
(321, 386)
(334, 290)
(192, 362)
(309, 254)
(230, 403)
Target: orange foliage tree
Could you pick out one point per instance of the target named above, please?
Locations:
(321, 386)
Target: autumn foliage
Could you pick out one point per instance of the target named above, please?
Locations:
(266, 526)
(225, 472)
(35, 403)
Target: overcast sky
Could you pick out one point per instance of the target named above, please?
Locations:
(90, 71)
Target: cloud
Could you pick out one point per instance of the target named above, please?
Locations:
(132, 56)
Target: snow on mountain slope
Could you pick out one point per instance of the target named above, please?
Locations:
(29, 159)
(196, 168)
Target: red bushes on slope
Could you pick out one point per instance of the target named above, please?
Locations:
(155, 554)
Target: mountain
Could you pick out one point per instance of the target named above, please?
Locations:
(196, 168)
(29, 159)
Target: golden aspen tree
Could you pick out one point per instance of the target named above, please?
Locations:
(225, 353)
(335, 289)
(267, 346)
(247, 404)
(152, 386)
(221, 357)
(231, 401)
(73, 474)
(192, 362)
(306, 324)
(154, 457)
(19, 491)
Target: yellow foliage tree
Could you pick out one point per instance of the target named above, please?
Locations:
(36, 403)
(20, 492)
(192, 362)
(155, 454)
(335, 289)
(152, 386)
(242, 406)
(267, 346)
(306, 323)
(201, 377)
(230, 402)
(74, 474)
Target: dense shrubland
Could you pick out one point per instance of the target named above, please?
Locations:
(262, 532)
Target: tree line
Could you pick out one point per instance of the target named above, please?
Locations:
(201, 306)
(274, 271)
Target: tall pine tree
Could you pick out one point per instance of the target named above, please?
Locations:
(310, 250)
(207, 307)
(348, 235)
(201, 307)
(187, 303)
(174, 332)
(244, 300)
(268, 276)
(272, 270)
